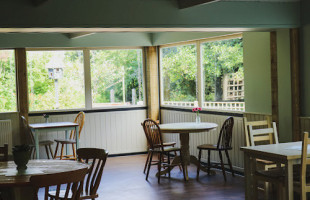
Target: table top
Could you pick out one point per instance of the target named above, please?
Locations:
(288, 151)
(52, 125)
(187, 127)
(10, 177)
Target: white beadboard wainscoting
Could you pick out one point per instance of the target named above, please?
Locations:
(118, 131)
(211, 137)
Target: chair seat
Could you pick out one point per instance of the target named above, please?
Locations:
(169, 144)
(211, 147)
(274, 174)
(65, 141)
(46, 142)
(167, 149)
(265, 162)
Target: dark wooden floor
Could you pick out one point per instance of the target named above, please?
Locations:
(123, 178)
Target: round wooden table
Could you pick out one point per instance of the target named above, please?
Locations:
(184, 129)
(19, 182)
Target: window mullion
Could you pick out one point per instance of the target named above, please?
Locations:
(87, 79)
(200, 85)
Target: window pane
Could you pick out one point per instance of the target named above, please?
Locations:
(7, 81)
(223, 70)
(55, 80)
(178, 75)
(116, 77)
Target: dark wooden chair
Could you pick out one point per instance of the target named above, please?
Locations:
(154, 138)
(4, 153)
(223, 144)
(97, 159)
(80, 118)
(46, 143)
(72, 179)
(166, 144)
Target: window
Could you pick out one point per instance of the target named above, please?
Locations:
(222, 63)
(55, 80)
(7, 81)
(178, 75)
(116, 77)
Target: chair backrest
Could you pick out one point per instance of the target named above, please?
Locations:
(4, 152)
(72, 179)
(153, 134)
(255, 124)
(269, 135)
(305, 160)
(79, 119)
(97, 158)
(225, 136)
(29, 135)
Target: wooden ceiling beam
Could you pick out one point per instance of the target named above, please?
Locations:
(77, 35)
(190, 3)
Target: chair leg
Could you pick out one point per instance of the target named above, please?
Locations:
(209, 161)
(199, 163)
(50, 148)
(73, 151)
(229, 162)
(169, 164)
(222, 165)
(147, 160)
(183, 167)
(149, 166)
(62, 151)
(55, 155)
(46, 150)
(159, 166)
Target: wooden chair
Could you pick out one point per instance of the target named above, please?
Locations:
(223, 144)
(4, 152)
(97, 158)
(154, 138)
(80, 118)
(46, 143)
(72, 179)
(166, 144)
(269, 135)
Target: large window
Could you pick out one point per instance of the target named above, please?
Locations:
(215, 82)
(222, 63)
(55, 80)
(178, 72)
(7, 81)
(116, 77)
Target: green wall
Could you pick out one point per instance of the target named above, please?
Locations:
(148, 14)
(256, 57)
(10, 40)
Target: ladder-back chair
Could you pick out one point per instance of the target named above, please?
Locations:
(80, 119)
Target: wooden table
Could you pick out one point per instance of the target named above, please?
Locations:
(288, 154)
(19, 183)
(55, 126)
(183, 129)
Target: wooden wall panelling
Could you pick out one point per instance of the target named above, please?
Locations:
(274, 77)
(295, 84)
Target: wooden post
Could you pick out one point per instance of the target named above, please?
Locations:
(295, 84)
(22, 89)
(274, 77)
(152, 83)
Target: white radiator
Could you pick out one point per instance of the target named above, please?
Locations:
(6, 133)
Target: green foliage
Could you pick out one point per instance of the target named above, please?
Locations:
(179, 73)
(7, 81)
(115, 69)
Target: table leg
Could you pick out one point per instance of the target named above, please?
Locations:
(77, 137)
(248, 171)
(195, 161)
(67, 137)
(175, 161)
(289, 180)
(36, 140)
